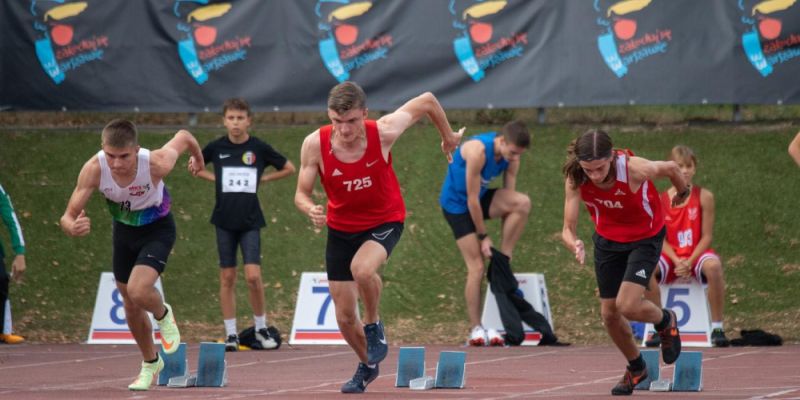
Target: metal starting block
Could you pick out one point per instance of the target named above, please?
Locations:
(450, 370)
(410, 365)
(211, 365)
(688, 375)
(183, 381)
(662, 385)
(174, 365)
(652, 360)
(422, 383)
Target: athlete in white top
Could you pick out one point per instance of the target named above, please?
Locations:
(131, 179)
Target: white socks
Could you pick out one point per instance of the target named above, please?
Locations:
(260, 321)
(230, 327)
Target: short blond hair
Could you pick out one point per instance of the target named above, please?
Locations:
(683, 154)
(120, 133)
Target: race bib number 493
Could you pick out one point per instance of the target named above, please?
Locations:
(238, 180)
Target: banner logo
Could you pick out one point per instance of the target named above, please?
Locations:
(480, 46)
(343, 44)
(767, 42)
(58, 46)
(201, 47)
(622, 42)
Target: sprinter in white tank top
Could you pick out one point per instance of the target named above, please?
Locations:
(131, 179)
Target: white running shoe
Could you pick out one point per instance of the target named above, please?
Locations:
(495, 339)
(478, 336)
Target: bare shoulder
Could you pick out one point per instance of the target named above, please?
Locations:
(473, 149)
(393, 124)
(706, 195)
(311, 146)
(90, 173)
(640, 168)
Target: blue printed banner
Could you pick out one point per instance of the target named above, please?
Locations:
(190, 55)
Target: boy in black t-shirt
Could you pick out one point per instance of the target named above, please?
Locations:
(239, 162)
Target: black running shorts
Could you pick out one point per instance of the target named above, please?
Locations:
(342, 247)
(615, 262)
(228, 241)
(142, 245)
(462, 224)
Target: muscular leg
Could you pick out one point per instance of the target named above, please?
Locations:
(630, 302)
(470, 250)
(513, 207)
(712, 271)
(139, 295)
(255, 286)
(618, 328)
(227, 292)
(345, 300)
(364, 267)
(654, 292)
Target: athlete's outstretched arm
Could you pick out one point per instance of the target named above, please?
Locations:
(309, 169)
(11, 222)
(287, 170)
(391, 126)
(643, 169)
(474, 154)
(569, 233)
(74, 222)
(163, 160)
(794, 149)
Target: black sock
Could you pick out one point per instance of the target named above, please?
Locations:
(636, 364)
(166, 310)
(664, 321)
(153, 360)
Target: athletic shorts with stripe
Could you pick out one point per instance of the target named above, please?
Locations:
(667, 267)
(615, 262)
(142, 245)
(343, 246)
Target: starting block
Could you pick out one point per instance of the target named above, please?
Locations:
(661, 385)
(652, 360)
(211, 365)
(183, 381)
(410, 365)
(422, 383)
(688, 374)
(174, 365)
(450, 370)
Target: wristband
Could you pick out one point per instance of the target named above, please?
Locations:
(482, 236)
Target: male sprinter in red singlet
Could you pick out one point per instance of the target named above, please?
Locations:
(132, 180)
(629, 231)
(365, 208)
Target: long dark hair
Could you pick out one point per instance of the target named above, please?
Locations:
(593, 144)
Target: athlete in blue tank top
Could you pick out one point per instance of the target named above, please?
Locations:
(453, 197)
(467, 201)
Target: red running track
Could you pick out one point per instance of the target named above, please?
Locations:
(81, 371)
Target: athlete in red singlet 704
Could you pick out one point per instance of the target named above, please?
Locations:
(617, 190)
